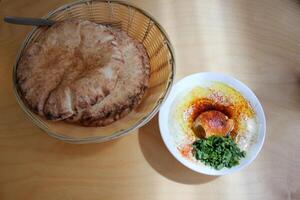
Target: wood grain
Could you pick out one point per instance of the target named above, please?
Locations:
(255, 41)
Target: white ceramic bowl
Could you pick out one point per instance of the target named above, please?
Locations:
(205, 79)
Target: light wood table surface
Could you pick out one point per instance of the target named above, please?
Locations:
(257, 42)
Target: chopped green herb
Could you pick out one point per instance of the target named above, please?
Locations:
(217, 152)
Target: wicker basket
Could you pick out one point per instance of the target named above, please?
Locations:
(139, 25)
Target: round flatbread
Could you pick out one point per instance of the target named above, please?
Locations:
(130, 88)
(83, 72)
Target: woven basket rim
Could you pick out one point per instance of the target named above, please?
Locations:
(92, 139)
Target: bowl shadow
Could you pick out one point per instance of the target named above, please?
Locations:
(161, 160)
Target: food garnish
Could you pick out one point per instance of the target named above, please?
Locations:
(217, 152)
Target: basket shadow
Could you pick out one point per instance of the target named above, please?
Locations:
(86, 149)
(162, 161)
(71, 151)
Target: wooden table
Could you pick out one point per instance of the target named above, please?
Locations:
(257, 42)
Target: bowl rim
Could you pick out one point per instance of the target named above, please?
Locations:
(94, 139)
(164, 130)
